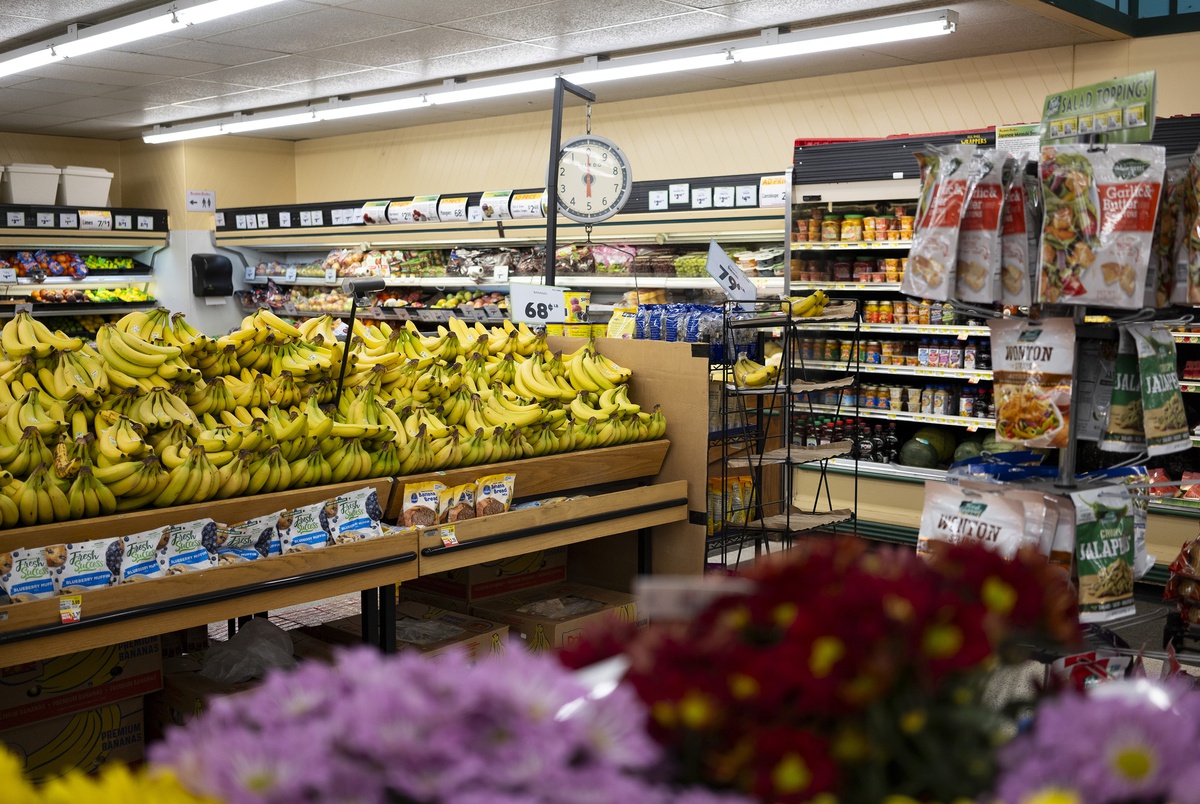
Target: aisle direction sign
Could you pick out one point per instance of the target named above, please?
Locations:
(733, 280)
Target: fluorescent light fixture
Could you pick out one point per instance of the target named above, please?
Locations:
(29, 61)
(115, 37)
(206, 12)
(865, 34)
(166, 134)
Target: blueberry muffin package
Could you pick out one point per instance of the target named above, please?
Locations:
(253, 539)
(139, 555)
(306, 528)
(24, 576)
(188, 547)
(354, 516)
(81, 566)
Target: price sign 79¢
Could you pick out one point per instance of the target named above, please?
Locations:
(536, 305)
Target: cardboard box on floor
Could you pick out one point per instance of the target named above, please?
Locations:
(51, 688)
(495, 578)
(113, 732)
(552, 617)
(432, 630)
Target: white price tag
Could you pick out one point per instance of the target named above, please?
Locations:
(45, 220)
(318, 217)
(528, 205)
(772, 191)
(264, 220)
(305, 218)
(15, 218)
(331, 276)
(240, 221)
(251, 221)
(494, 204)
(400, 212)
(446, 534)
(251, 272)
(702, 198)
(747, 195)
(452, 210)
(425, 208)
(68, 220)
(289, 274)
(24, 307)
(125, 222)
(95, 219)
(722, 196)
(220, 219)
(8, 275)
(372, 212)
(678, 193)
(731, 278)
(285, 220)
(338, 217)
(534, 304)
(145, 223)
(475, 215)
(500, 272)
(657, 199)
(972, 381)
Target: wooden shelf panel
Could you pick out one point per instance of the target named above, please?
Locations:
(503, 536)
(33, 630)
(793, 455)
(553, 473)
(226, 512)
(776, 527)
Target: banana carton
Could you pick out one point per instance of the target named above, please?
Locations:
(431, 630)
(51, 688)
(113, 732)
(553, 617)
(496, 578)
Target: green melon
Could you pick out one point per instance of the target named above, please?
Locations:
(940, 438)
(968, 449)
(990, 444)
(918, 452)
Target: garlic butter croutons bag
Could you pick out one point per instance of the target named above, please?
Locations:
(954, 514)
(1104, 553)
(1101, 205)
(1033, 362)
(422, 504)
(978, 260)
(1124, 429)
(1162, 402)
(946, 184)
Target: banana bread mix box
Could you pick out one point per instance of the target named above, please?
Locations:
(77, 681)
(553, 617)
(496, 578)
(84, 740)
(429, 629)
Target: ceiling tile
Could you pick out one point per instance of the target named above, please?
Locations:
(267, 15)
(564, 17)
(96, 129)
(63, 71)
(321, 28)
(80, 89)
(351, 83)
(663, 32)
(252, 99)
(434, 12)
(178, 90)
(155, 114)
(1032, 33)
(15, 29)
(27, 121)
(281, 70)
(17, 100)
(502, 57)
(781, 12)
(213, 53)
(59, 9)
(91, 107)
(159, 65)
(408, 46)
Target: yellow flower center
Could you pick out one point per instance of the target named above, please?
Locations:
(826, 652)
(742, 686)
(850, 746)
(913, 721)
(737, 619)
(942, 641)
(998, 596)
(1134, 762)
(663, 712)
(897, 608)
(791, 775)
(695, 710)
(1053, 795)
(785, 614)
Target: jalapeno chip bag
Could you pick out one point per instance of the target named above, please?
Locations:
(1123, 429)
(1032, 362)
(1163, 415)
(1104, 553)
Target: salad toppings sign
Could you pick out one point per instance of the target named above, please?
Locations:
(1120, 110)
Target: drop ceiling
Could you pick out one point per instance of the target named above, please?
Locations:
(297, 51)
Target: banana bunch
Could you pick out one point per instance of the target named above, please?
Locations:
(805, 306)
(130, 361)
(160, 326)
(750, 374)
(590, 371)
(24, 335)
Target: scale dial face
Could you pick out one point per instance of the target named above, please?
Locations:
(594, 179)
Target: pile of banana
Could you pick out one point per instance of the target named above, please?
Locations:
(805, 306)
(748, 373)
(157, 414)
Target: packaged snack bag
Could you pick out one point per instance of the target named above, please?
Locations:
(353, 516)
(24, 575)
(139, 555)
(190, 546)
(946, 184)
(954, 514)
(250, 540)
(80, 566)
(1124, 430)
(1033, 363)
(1163, 414)
(307, 527)
(1018, 241)
(1104, 553)
(494, 494)
(978, 261)
(457, 503)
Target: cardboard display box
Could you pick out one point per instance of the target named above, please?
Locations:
(496, 578)
(113, 732)
(186, 640)
(431, 630)
(51, 688)
(553, 617)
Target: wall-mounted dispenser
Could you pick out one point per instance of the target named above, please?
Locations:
(212, 275)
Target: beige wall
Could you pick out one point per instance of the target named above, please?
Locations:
(64, 151)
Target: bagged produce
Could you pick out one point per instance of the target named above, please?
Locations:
(1123, 429)
(978, 260)
(1163, 415)
(1033, 363)
(1101, 206)
(946, 185)
(1104, 553)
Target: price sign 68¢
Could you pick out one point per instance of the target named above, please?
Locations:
(536, 305)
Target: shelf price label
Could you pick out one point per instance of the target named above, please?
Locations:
(318, 217)
(285, 220)
(95, 219)
(731, 278)
(331, 277)
(474, 215)
(145, 223)
(527, 205)
(425, 208)
(8, 275)
(70, 609)
(452, 209)
(305, 218)
(220, 219)
(702, 198)
(125, 222)
(772, 191)
(722, 196)
(251, 273)
(15, 219)
(400, 212)
(657, 200)
(289, 274)
(68, 220)
(494, 205)
(45, 220)
(747, 195)
(446, 534)
(536, 305)
(338, 217)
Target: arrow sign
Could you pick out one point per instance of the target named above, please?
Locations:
(733, 280)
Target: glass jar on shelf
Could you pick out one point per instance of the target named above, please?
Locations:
(852, 228)
(831, 228)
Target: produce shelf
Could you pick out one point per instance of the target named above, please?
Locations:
(41, 310)
(881, 368)
(501, 536)
(1185, 337)
(882, 287)
(1190, 386)
(969, 422)
(864, 245)
(902, 329)
(780, 525)
(772, 283)
(794, 455)
(887, 471)
(23, 283)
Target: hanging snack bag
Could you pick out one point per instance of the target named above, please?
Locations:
(307, 527)
(353, 516)
(80, 566)
(421, 504)
(189, 547)
(494, 494)
(1062, 551)
(1104, 553)
(139, 555)
(1018, 240)
(250, 540)
(1101, 205)
(954, 514)
(1136, 478)
(1188, 254)
(978, 260)
(1033, 362)
(1123, 428)
(24, 575)
(1163, 414)
(946, 184)
(457, 503)
(1166, 236)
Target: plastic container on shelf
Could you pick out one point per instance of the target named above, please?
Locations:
(24, 183)
(84, 186)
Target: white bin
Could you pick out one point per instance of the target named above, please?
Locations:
(84, 187)
(29, 184)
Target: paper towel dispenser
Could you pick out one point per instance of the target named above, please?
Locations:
(212, 275)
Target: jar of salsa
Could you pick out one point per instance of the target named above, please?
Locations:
(871, 312)
(885, 312)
